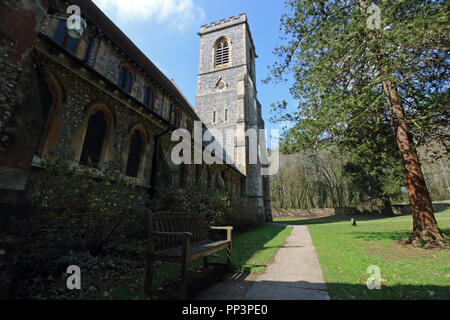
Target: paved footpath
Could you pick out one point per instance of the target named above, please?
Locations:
(294, 274)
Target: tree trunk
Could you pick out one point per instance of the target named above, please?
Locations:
(425, 229)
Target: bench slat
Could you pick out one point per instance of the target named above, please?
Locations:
(172, 227)
(164, 224)
(199, 249)
(197, 234)
(190, 223)
(200, 228)
(184, 224)
(204, 227)
(164, 242)
(178, 222)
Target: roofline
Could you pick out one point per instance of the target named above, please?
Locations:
(174, 83)
(114, 85)
(100, 20)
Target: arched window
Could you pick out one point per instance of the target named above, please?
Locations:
(46, 98)
(221, 56)
(51, 94)
(134, 154)
(94, 139)
(125, 79)
(149, 97)
(62, 37)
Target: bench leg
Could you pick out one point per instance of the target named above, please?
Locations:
(184, 267)
(229, 257)
(205, 263)
(184, 280)
(149, 273)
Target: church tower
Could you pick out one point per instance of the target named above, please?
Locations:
(226, 100)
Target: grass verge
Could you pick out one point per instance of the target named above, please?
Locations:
(252, 251)
(345, 252)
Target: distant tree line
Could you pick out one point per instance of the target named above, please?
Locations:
(329, 179)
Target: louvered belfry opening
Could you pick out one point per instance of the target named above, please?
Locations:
(222, 53)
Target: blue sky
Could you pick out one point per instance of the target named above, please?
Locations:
(166, 31)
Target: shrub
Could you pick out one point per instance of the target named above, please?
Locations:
(242, 218)
(213, 203)
(74, 216)
(79, 210)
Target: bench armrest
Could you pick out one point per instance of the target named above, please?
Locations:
(228, 228)
(171, 234)
(221, 227)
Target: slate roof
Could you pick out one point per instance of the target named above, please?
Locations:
(96, 17)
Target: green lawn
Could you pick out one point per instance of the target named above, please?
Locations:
(252, 251)
(346, 251)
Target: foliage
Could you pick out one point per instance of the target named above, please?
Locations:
(97, 270)
(211, 202)
(82, 207)
(333, 56)
(77, 216)
(214, 203)
(338, 71)
(320, 179)
(241, 217)
(310, 180)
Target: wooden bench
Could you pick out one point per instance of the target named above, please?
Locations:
(181, 237)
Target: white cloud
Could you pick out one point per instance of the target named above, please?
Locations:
(175, 13)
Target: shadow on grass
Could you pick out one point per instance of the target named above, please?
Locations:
(333, 219)
(387, 235)
(305, 290)
(373, 235)
(251, 244)
(344, 291)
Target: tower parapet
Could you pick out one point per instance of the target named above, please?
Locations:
(224, 23)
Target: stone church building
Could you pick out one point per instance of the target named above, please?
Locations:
(98, 99)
